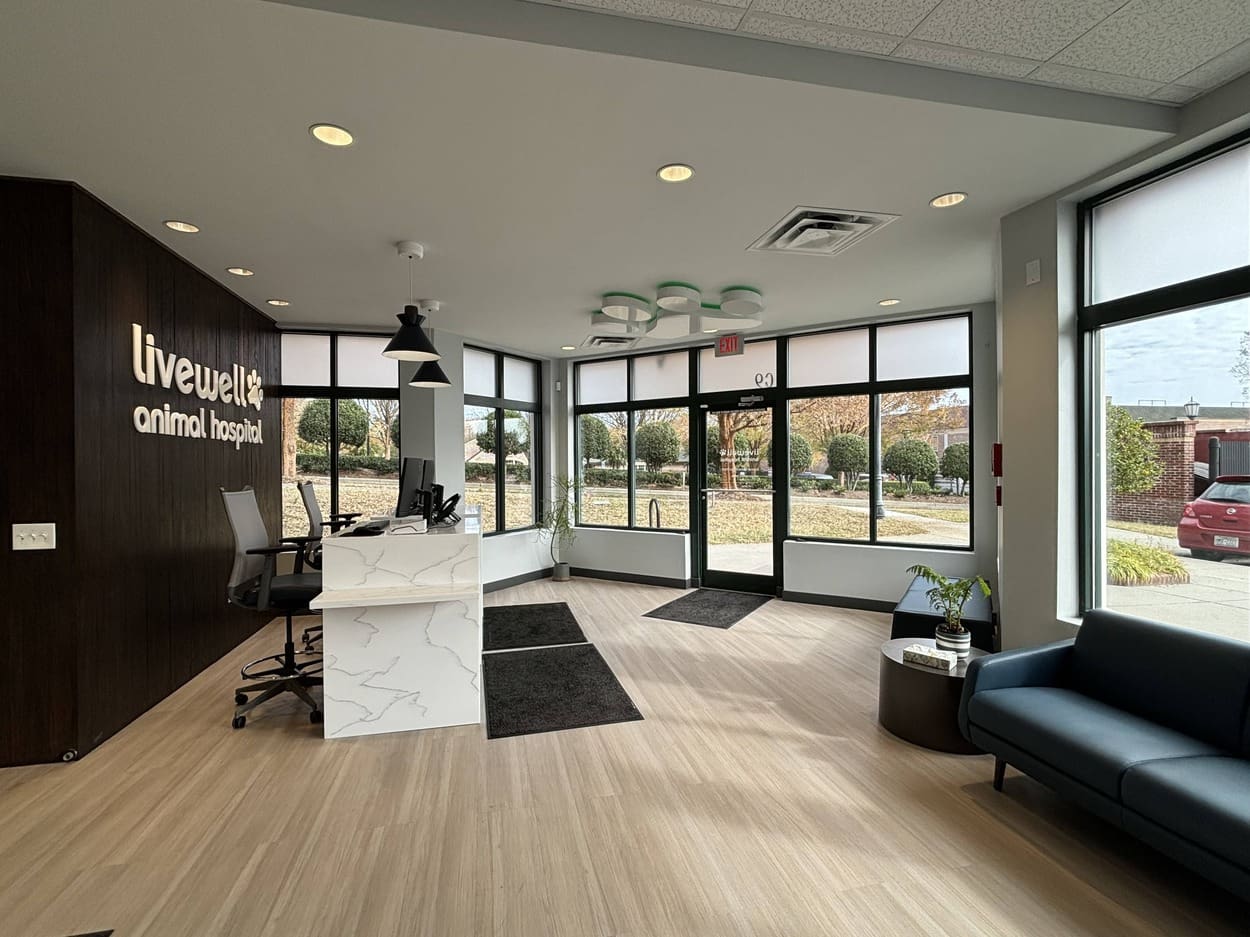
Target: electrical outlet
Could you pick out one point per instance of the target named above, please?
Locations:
(34, 536)
(1032, 272)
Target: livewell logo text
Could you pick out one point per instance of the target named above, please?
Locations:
(238, 386)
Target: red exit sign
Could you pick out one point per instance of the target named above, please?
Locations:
(727, 345)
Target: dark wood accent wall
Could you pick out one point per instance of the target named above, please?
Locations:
(38, 691)
(144, 554)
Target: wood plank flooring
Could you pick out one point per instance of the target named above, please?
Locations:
(758, 797)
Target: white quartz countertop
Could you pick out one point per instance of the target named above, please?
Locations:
(373, 596)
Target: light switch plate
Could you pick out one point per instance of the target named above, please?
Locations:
(1032, 272)
(34, 536)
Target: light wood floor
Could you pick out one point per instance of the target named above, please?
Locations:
(758, 797)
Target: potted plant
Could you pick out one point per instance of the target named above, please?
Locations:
(949, 596)
(557, 523)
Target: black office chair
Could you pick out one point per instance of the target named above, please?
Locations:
(255, 585)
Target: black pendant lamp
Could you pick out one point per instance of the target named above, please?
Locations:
(410, 342)
(431, 373)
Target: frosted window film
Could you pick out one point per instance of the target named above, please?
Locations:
(931, 348)
(831, 358)
(658, 376)
(601, 382)
(1191, 224)
(361, 363)
(520, 380)
(755, 368)
(306, 360)
(479, 373)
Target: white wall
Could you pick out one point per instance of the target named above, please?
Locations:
(646, 553)
(506, 556)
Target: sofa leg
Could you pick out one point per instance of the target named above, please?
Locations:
(1000, 768)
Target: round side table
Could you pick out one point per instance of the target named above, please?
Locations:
(920, 704)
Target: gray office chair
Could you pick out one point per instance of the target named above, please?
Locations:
(317, 528)
(255, 585)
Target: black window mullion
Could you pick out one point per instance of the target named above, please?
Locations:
(334, 426)
(874, 438)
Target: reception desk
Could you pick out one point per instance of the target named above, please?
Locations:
(402, 630)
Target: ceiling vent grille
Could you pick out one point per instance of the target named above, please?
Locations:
(610, 342)
(821, 232)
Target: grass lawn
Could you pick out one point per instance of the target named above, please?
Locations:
(954, 515)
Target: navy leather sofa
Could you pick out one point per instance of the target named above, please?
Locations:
(1147, 725)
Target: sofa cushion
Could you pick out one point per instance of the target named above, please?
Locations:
(1195, 683)
(1088, 740)
(1203, 800)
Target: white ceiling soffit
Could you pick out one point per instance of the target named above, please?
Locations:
(527, 170)
(711, 35)
(1157, 50)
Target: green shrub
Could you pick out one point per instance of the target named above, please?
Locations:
(921, 488)
(1138, 564)
(848, 454)
(957, 464)
(657, 444)
(318, 463)
(312, 463)
(754, 482)
(800, 454)
(479, 471)
(660, 480)
(605, 478)
(910, 459)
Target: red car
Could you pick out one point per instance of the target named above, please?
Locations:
(1217, 524)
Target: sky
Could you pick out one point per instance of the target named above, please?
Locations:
(1172, 358)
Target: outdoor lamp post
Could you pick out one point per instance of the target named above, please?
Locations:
(1191, 409)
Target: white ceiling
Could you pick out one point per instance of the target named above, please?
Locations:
(1169, 51)
(526, 169)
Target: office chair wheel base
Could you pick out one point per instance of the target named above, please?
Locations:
(316, 717)
(238, 722)
(240, 699)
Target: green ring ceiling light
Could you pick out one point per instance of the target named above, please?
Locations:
(678, 297)
(627, 306)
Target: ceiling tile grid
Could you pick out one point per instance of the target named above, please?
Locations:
(1168, 51)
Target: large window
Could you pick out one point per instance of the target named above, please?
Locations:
(881, 434)
(502, 439)
(632, 442)
(340, 425)
(1167, 328)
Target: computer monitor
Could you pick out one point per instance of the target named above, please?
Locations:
(416, 475)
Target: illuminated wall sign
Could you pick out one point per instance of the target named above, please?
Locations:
(238, 386)
(727, 345)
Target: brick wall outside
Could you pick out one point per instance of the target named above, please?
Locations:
(1163, 503)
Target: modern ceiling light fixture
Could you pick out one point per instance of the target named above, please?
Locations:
(568, 348)
(182, 227)
(629, 307)
(241, 271)
(888, 302)
(675, 296)
(430, 374)
(675, 172)
(332, 134)
(277, 302)
(411, 343)
(947, 199)
(741, 301)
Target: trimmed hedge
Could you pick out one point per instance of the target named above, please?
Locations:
(318, 463)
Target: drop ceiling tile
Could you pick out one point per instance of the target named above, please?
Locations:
(1160, 40)
(1176, 94)
(1087, 80)
(678, 11)
(817, 34)
(1031, 29)
(1222, 68)
(897, 17)
(964, 60)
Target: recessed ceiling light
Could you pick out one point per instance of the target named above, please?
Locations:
(568, 348)
(675, 172)
(277, 302)
(331, 134)
(888, 302)
(185, 227)
(241, 271)
(948, 199)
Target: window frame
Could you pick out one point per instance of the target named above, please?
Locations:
(1092, 318)
(335, 393)
(499, 404)
(779, 398)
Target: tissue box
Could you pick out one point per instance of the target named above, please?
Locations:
(930, 657)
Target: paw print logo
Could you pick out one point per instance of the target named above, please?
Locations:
(255, 394)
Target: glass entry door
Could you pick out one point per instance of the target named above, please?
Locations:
(736, 499)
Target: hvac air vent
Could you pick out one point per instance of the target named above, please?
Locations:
(822, 232)
(610, 342)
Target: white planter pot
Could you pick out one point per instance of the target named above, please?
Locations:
(560, 572)
(960, 642)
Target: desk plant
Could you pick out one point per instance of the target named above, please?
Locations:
(949, 596)
(558, 522)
